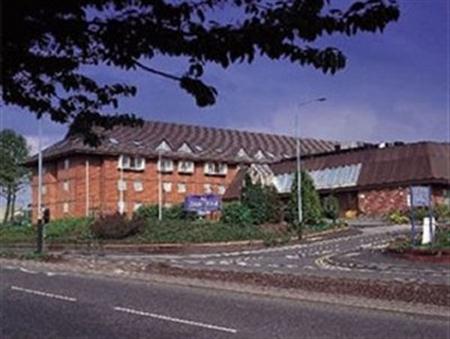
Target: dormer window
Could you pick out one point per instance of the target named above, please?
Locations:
(131, 163)
(163, 147)
(242, 153)
(185, 166)
(259, 155)
(216, 168)
(165, 165)
(185, 148)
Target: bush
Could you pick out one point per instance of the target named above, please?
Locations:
(69, 229)
(311, 208)
(175, 212)
(116, 226)
(442, 212)
(236, 213)
(398, 217)
(262, 201)
(331, 207)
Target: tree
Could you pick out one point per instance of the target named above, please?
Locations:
(262, 201)
(331, 207)
(311, 208)
(46, 44)
(13, 175)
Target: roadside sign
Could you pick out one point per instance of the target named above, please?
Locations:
(202, 204)
(420, 196)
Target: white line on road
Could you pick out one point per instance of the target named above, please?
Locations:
(43, 294)
(25, 270)
(176, 320)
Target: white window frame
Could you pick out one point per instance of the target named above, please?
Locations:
(132, 163)
(136, 206)
(167, 187)
(65, 207)
(183, 163)
(165, 169)
(221, 189)
(138, 186)
(66, 186)
(216, 168)
(182, 187)
(207, 188)
(44, 189)
(66, 163)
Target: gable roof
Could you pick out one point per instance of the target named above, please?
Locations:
(206, 143)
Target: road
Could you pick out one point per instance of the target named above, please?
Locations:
(42, 305)
(355, 256)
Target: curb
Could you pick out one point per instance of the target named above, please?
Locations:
(297, 294)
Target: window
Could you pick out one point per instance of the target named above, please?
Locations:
(121, 185)
(131, 163)
(137, 205)
(121, 206)
(165, 165)
(181, 188)
(66, 164)
(138, 186)
(221, 189)
(215, 168)
(207, 188)
(185, 166)
(185, 148)
(167, 187)
(66, 185)
(43, 189)
(66, 207)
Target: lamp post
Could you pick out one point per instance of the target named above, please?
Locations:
(40, 231)
(299, 174)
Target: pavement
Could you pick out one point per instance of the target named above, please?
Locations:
(356, 256)
(44, 304)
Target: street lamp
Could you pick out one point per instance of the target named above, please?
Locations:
(299, 174)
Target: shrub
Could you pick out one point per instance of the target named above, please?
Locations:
(442, 212)
(236, 213)
(398, 217)
(116, 226)
(331, 207)
(69, 229)
(175, 212)
(262, 201)
(311, 208)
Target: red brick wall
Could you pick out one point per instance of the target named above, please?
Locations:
(382, 201)
(103, 185)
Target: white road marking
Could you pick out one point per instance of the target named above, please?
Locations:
(43, 294)
(27, 270)
(176, 320)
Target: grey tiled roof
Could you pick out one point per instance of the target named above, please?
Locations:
(205, 143)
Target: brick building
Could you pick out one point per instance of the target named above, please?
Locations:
(372, 180)
(131, 165)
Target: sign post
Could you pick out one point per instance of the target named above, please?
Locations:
(420, 197)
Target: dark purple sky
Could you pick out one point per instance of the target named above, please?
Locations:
(395, 87)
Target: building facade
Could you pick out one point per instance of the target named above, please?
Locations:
(373, 180)
(158, 162)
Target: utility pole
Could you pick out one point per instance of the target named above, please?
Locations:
(40, 226)
(159, 186)
(298, 156)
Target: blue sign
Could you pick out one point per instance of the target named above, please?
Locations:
(420, 196)
(202, 204)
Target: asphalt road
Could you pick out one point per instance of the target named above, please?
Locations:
(355, 256)
(39, 305)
